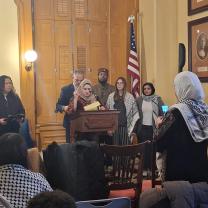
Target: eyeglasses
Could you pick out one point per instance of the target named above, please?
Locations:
(119, 83)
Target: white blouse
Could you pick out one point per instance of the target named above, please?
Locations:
(147, 113)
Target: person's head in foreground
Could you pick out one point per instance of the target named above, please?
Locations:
(190, 95)
(188, 87)
(52, 199)
(13, 150)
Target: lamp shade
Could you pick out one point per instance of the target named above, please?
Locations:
(30, 56)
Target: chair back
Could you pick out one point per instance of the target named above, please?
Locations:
(25, 132)
(34, 161)
(4, 203)
(127, 166)
(77, 169)
(155, 181)
(121, 202)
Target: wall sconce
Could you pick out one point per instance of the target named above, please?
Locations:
(30, 57)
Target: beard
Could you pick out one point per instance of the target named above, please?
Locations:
(102, 81)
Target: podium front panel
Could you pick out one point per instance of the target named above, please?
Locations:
(94, 121)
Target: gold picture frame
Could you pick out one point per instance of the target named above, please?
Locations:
(196, 6)
(198, 47)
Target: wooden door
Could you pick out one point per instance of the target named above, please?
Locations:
(69, 34)
(98, 56)
(63, 59)
(45, 71)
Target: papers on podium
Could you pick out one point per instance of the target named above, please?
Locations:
(92, 107)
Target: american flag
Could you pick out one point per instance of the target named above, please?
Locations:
(133, 64)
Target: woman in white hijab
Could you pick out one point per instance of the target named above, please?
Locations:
(182, 133)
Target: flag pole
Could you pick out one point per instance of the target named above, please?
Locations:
(133, 65)
(139, 46)
(131, 19)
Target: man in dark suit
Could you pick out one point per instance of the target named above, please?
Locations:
(66, 94)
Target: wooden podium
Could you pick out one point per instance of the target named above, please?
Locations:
(93, 121)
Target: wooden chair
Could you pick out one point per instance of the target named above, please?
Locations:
(34, 161)
(155, 181)
(124, 174)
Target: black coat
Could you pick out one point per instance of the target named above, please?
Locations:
(77, 169)
(186, 159)
(11, 105)
(66, 95)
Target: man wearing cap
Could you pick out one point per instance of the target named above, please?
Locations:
(67, 92)
(103, 89)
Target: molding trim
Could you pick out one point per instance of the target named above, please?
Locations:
(27, 81)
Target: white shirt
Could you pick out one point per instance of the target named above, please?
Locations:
(147, 113)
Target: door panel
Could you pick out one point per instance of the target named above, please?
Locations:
(63, 9)
(44, 9)
(81, 46)
(98, 10)
(45, 100)
(98, 48)
(80, 9)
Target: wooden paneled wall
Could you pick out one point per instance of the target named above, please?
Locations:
(70, 34)
(120, 10)
(27, 80)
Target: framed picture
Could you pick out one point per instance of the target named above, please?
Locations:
(196, 6)
(198, 47)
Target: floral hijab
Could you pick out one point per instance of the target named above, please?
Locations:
(80, 89)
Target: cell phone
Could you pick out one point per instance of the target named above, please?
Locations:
(164, 109)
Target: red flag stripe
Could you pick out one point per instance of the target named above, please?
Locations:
(133, 68)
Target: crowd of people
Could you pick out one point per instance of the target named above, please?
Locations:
(136, 117)
(182, 141)
(180, 135)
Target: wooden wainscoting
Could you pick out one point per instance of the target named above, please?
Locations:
(68, 34)
(47, 133)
